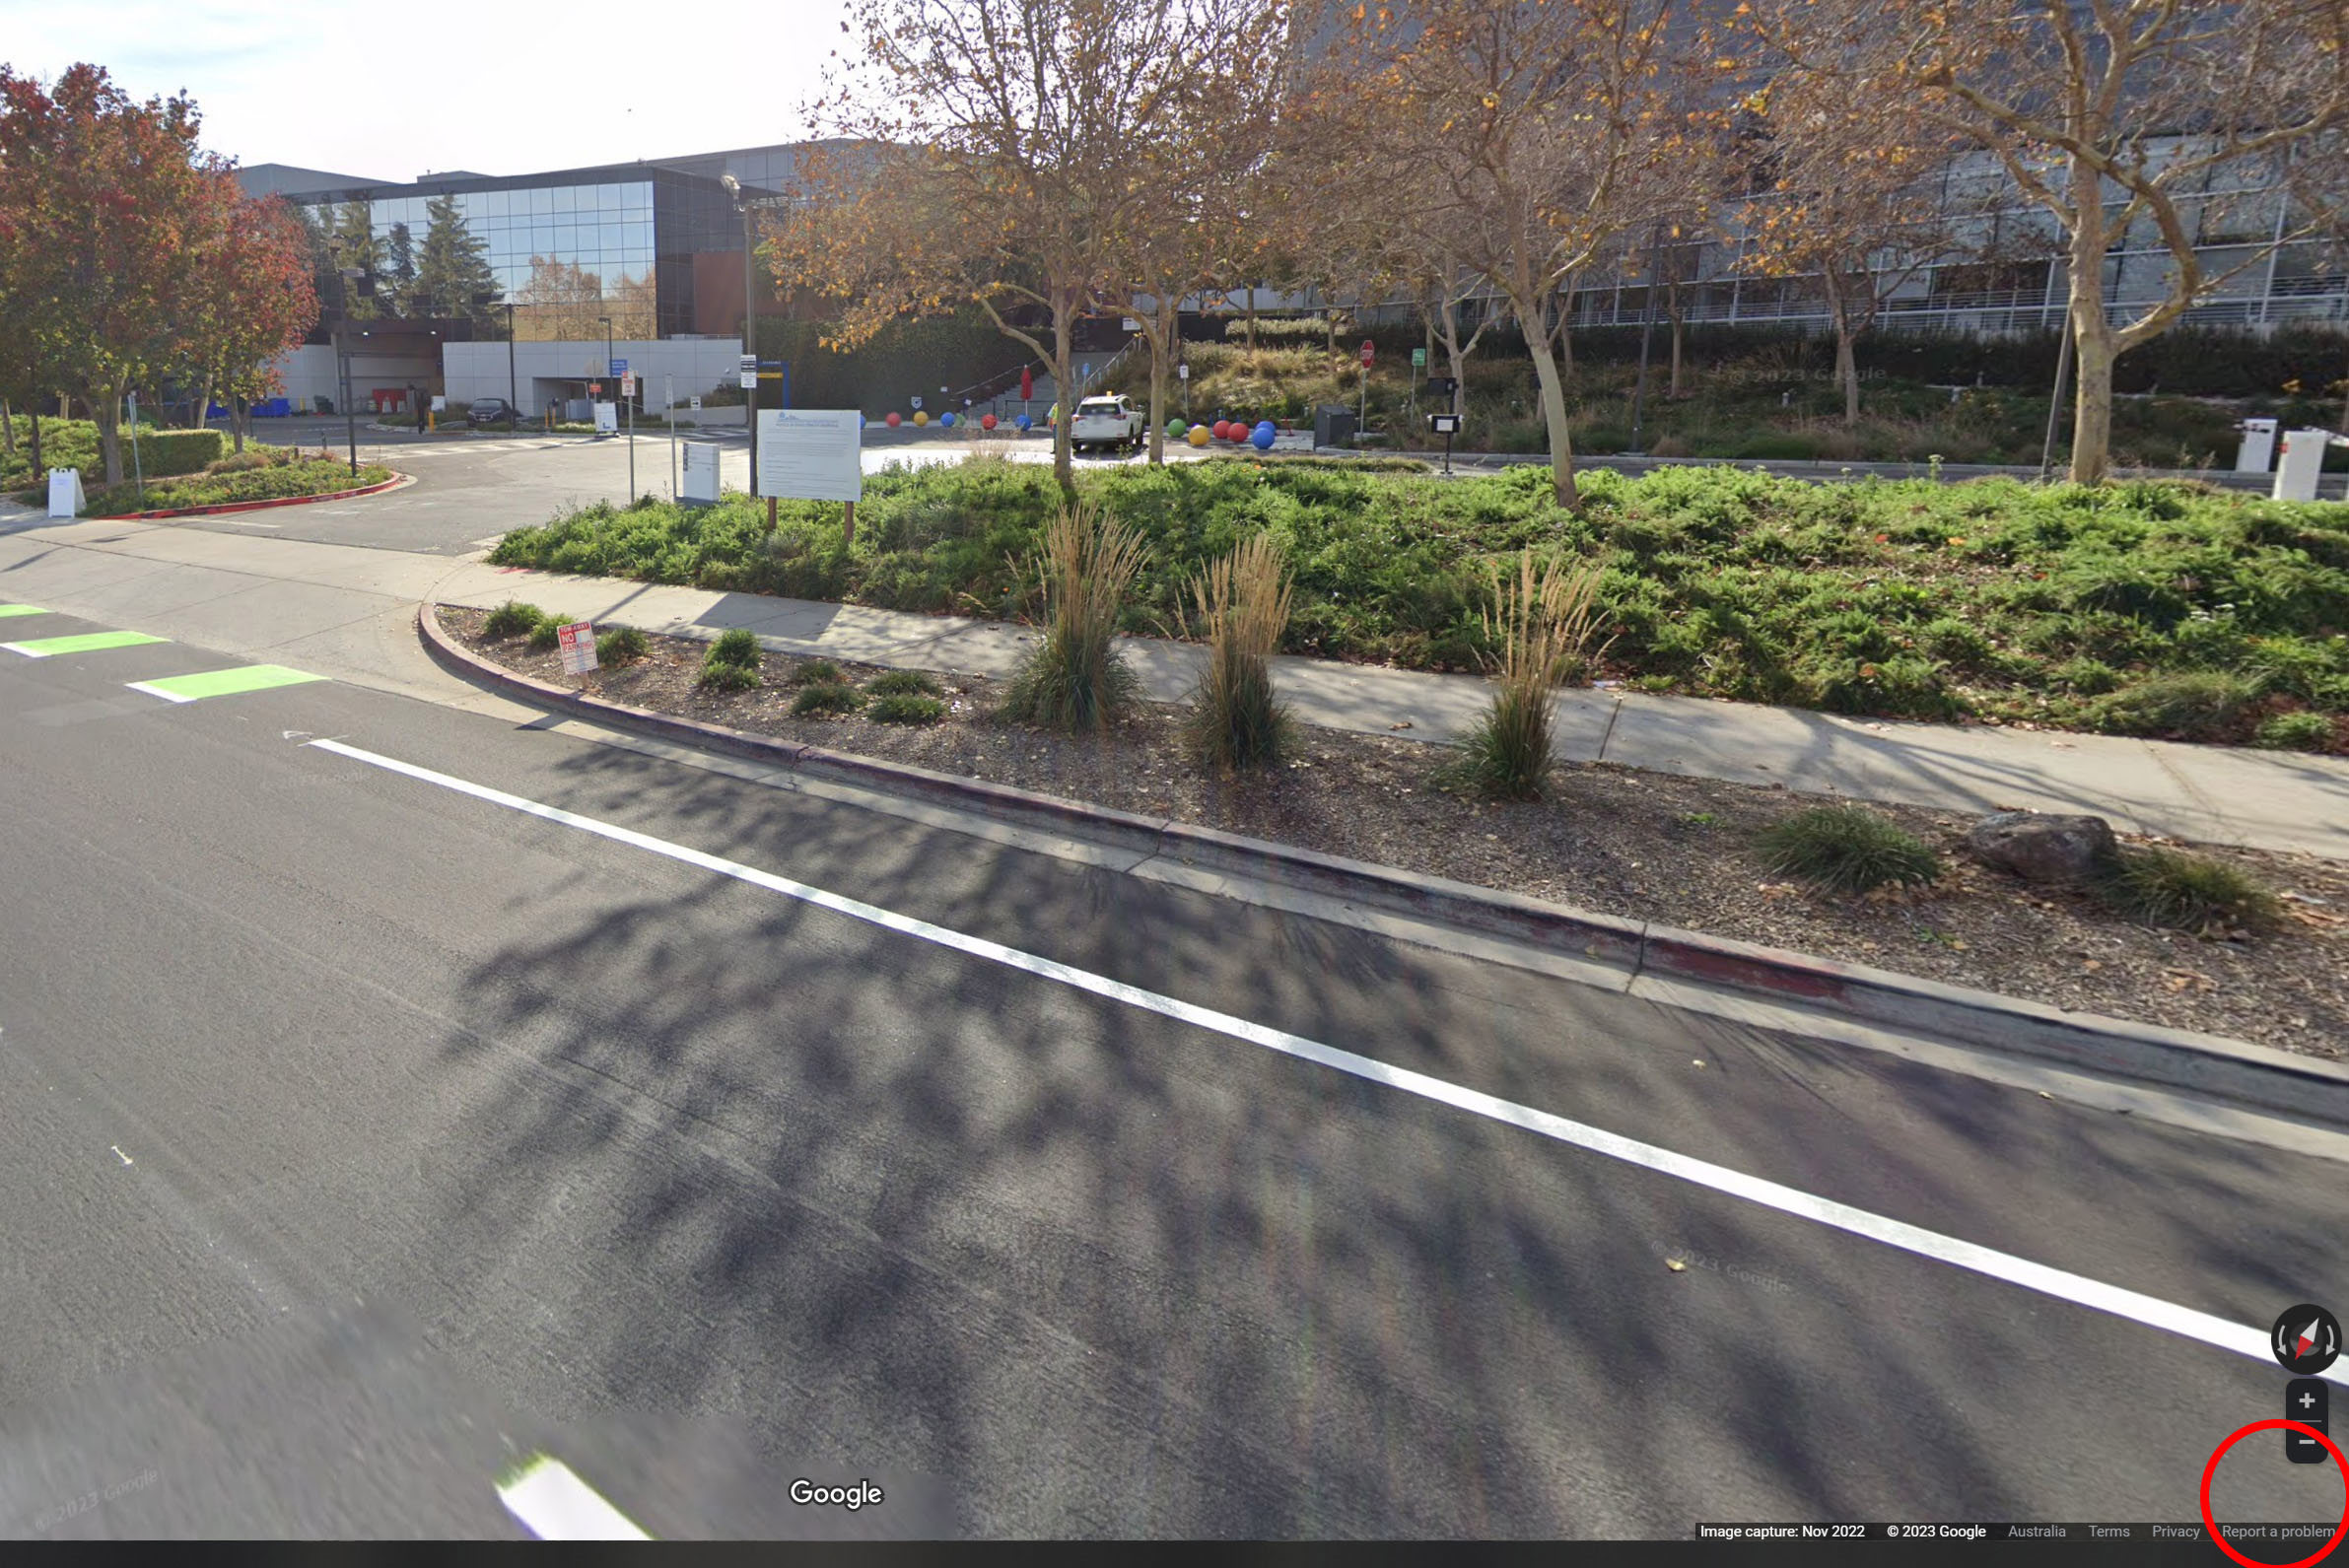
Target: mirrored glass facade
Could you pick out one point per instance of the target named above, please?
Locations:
(568, 249)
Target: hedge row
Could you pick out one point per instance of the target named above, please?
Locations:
(73, 443)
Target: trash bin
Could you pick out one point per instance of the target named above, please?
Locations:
(1332, 426)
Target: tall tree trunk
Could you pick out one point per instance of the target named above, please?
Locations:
(1680, 332)
(1252, 319)
(107, 410)
(203, 416)
(1063, 466)
(1848, 372)
(32, 416)
(2091, 400)
(1160, 327)
(1554, 400)
(2091, 334)
(8, 429)
(241, 414)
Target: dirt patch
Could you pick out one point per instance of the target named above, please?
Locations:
(1645, 846)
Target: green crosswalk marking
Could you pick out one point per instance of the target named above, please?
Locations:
(224, 682)
(7, 610)
(85, 643)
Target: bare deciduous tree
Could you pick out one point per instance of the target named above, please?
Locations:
(2135, 119)
(1528, 138)
(992, 157)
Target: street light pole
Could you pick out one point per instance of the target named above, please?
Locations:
(342, 335)
(513, 400)
(750, 326)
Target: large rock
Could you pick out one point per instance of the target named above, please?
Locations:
(2043, 849)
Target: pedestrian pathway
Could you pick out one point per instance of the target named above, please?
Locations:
(348, 611)
(189, 688)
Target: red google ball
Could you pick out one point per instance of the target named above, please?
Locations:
(987, 421)
(895, 420)
(1222, 429)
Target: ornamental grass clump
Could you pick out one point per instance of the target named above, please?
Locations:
(1235, 720)
(1542, 619)
(1848, 849)
(2189, 893)
(1073, 677)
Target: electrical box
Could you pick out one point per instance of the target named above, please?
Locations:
(2257, 454)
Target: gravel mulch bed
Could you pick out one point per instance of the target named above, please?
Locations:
(1645, 846)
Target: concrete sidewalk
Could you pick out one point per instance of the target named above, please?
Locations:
(347, 612)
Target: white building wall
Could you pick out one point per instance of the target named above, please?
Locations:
(538, 371)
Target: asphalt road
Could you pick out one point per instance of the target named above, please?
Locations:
(360, 1135)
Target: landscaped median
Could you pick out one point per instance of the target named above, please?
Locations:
(2259, 951)
(260, 476)
(2162, 609)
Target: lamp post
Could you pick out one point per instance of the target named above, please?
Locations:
(750, 324)
(513, 399)
(346, 276)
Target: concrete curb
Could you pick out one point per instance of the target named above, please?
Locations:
(2231, 1070)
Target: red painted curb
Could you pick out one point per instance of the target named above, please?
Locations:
(257, 506)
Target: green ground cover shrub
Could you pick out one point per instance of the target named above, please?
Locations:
(827, 697)
(1993, 598)
(307, 476)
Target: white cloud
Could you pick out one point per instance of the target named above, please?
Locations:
(389, 91)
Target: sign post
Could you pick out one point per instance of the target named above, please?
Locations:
(1445, 425)
(1183, 374)
(750, 387)
(1370, 353)
(577, 642)
(628, 396)
(669, 398)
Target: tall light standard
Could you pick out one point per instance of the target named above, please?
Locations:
(513, 399)
(745, 205)
(345, 277)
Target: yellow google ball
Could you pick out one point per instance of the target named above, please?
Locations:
(1198, 435)
(922, 418)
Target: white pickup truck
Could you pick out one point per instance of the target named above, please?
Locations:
(1108, 422)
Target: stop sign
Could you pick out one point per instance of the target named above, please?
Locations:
(1370, 353)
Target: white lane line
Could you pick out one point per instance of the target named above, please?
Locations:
(157, 690)
(554, 1504)
(2079, 1289)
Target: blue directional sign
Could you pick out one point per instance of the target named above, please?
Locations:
(619, 366)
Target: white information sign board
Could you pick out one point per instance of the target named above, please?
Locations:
(701, 471)
(628, 385)
(607, 419)
(578, 643)
(811, 453)
(697, 404)
(65, 493)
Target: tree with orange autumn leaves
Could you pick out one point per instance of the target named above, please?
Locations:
(129, 255)
(1014, 154)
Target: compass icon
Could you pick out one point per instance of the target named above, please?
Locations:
(2306, 1339)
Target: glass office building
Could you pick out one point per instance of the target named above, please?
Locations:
(570, 247)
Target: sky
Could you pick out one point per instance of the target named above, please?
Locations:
(389, 92)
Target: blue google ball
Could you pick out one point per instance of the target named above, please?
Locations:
(1261, 438)
(947, 420)
(1027, 422)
